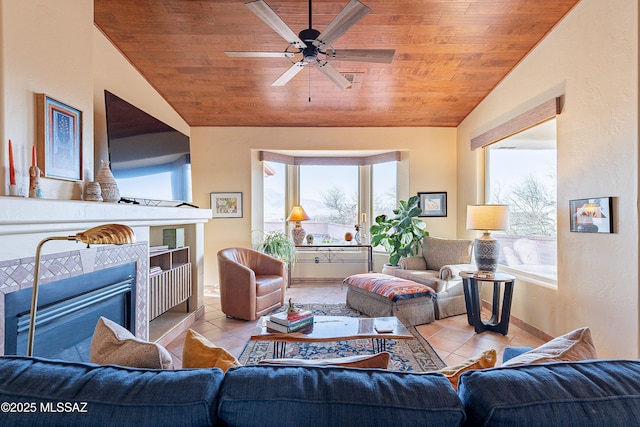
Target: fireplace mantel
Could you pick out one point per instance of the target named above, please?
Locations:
(25, 221)
(25, 215)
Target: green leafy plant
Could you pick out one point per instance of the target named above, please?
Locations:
(278, 245)
(401, 234)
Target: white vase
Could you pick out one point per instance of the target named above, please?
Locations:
(108, 184)
(389, 269)
(92, 192)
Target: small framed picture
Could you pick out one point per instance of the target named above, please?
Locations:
(433, 204)
(59, 139)
(226, 205)
(591, 215)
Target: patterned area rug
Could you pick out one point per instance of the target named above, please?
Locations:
(406, 355)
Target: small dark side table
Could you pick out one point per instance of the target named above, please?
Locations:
(498, 322)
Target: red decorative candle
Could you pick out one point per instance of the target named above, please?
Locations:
(12, 172)
(33, 156)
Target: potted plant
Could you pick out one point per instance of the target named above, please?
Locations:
(401, 234)
(278, 245)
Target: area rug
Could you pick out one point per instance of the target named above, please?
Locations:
(406, 355)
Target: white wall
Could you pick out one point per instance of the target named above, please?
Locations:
(46, 48)
(590, 58)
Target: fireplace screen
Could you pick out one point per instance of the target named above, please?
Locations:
(68, 311)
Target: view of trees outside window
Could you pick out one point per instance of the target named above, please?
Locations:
(385, 192)
(521, 172)
(329, 195)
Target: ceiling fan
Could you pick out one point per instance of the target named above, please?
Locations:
(312, 48)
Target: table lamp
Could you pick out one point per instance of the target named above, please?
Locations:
(487, 218)
(117, 234)
(298, 214)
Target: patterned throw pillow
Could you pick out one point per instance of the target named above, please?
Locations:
(370, 361)
(199, 352)
(113, 344)
(572, 347)
(486, 359)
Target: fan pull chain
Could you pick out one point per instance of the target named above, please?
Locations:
(309, 68)
(309, 83)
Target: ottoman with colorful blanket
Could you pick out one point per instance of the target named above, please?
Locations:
(381, 295)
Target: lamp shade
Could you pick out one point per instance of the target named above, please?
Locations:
(590, 210)
(106, 234)
(298, 214)
(487, 217)
(117, 234)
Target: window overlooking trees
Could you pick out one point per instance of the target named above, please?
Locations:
(329, 195)
(385, 195)
(330, 192)
(521, 172)
(274, 196)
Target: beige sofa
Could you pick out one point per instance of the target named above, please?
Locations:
(439, 266)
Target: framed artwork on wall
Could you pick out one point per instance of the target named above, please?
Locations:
(59, 139)
(591, 215)
(226, 205)
(433, 204)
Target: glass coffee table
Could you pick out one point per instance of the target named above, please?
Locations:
(335, 328)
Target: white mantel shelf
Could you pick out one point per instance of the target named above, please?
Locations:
(19, 215)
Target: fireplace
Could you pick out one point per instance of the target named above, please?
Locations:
(84, 265)
(68, 310)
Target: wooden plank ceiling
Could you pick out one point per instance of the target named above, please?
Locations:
(449, 55)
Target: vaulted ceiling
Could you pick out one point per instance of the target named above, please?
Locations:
(449, 54)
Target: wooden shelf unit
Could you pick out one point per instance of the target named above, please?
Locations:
(171, 286)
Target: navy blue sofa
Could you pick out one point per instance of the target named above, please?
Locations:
(40, 392)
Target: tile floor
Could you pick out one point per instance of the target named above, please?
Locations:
(453, 338)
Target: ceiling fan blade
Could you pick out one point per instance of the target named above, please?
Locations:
(289, 74)
(260, 54)
(334, 75)
(264, 12)
(382, 56)
(353, 12)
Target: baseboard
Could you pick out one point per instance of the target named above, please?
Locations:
(523, 325)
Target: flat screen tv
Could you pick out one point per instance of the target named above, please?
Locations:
(150, 160)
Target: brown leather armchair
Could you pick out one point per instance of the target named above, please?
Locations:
(252, 284)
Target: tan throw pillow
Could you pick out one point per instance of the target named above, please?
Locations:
(199, 352)
(112, 344)
(572, 347)
(378, 360)
(486, 359)
(439, 252)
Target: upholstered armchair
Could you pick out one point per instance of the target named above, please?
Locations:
(252, 283)
(439, 266)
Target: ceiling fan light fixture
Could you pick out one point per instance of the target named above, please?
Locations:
(310, 54)
(315, 46)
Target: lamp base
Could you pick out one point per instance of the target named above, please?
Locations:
(487, 253)
(298, 233)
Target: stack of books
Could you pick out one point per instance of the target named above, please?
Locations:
(286, 322)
